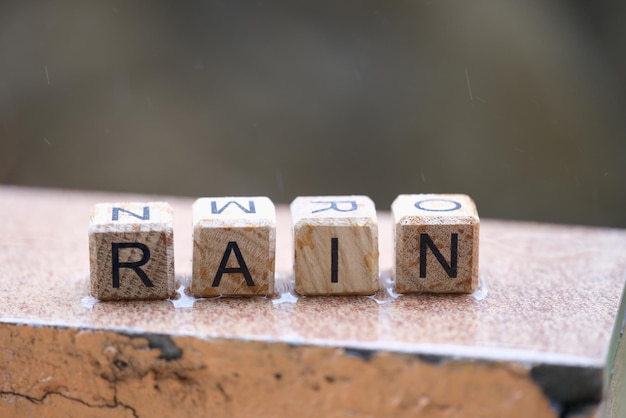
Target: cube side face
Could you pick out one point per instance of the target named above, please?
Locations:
(233, 261)
(234, 246)
(436, 240)
(336, 260)
(335, 245)
(132, 265)
(436, 258)
(131, 249)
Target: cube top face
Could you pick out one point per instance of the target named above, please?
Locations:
(436, 243)
(435, 208)
(335, 245)
(131, 251)
(131, 216)
(234, 211)
(328, 209)
(234, 247)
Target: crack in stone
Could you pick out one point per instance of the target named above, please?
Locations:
(39, 401)
(223, 392)
(117, 402)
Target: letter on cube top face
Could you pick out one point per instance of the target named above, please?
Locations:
(436, 243)
(335, 245)
(234, 247)
(131, 251)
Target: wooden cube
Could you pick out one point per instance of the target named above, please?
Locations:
(436, 243)
(131, 251)
(335, 245)
(234, 246)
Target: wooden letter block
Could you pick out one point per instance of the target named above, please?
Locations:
(436, 243)
(234, 247)
(335, 245)
(131, 251)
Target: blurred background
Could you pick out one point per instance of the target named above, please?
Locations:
(520, 104)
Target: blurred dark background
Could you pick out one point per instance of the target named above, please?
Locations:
(520, 104)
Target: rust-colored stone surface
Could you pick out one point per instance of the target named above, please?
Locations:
(104, 373)
(534, 340)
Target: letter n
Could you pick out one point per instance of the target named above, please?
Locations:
(144, 217)
(427, 242)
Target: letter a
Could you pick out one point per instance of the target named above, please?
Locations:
(232, 247)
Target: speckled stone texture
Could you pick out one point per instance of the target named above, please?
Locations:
(234, 247)
(131, 251)
(538, 338)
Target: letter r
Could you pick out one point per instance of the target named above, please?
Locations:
(134, 265)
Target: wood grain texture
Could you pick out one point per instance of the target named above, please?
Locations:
(234, 247)
(336, 245)
(537, 338)
(436, 240)
(131, 248)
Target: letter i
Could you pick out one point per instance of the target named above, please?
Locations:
(334, 260)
